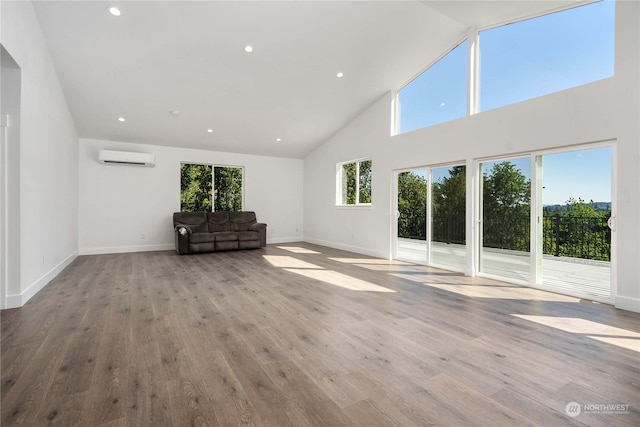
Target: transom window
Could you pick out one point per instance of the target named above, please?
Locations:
(437, 95)
(516, 62)
(354, 183)
(546, 54)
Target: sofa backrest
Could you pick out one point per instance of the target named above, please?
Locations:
(241, 221)
(197, 221)
(218, 221)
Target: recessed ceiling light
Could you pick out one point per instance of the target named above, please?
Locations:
(248, 49)
(113, 10)
(121, 119)
(210, 130)
(340, 75)
(278, 139)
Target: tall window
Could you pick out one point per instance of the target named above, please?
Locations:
(354, 183)
(437, 95)
(207, 188)
(546, 54)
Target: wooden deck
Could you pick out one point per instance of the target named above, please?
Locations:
(304, 335)
(572, 276)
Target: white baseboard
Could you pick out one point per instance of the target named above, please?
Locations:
(15, 301)
(629, 304)
(356, 249)
(126, 249)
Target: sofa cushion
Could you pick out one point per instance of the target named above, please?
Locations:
(197, 221)
(226, 246)
(218, 221)
(202, 238)
(248, 235)
(226, 236)
(241, 221)
(201, 247)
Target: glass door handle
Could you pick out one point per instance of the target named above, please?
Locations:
(611, 222)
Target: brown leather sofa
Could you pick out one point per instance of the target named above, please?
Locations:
(217, 231)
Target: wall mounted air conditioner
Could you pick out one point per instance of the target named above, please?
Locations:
(108, 157)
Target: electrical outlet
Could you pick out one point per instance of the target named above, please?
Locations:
(142, 236)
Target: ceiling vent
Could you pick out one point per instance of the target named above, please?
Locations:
(108, 157)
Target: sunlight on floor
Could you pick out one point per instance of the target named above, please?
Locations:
(339, 279)
(502, 291)
(370, 261)
(298, 250)
(288, 262)
(597, 331)
(392, 268)
(294, 265)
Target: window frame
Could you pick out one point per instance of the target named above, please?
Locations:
(340, 202)
(213, 166)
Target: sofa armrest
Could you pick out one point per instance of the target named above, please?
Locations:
(182, 233)
(183, 229)
(261, 229)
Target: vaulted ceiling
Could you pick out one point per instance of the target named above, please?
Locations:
(282, 99)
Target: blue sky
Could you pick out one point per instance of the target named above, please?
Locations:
(546, 54)
(519, 62)
(584, 174)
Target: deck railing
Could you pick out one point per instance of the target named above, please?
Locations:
(585, 237)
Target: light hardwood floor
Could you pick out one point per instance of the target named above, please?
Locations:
(308, 336)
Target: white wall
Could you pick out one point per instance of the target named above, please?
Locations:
(119, 204)
(48, 156)
(10, 106)
(604, 110)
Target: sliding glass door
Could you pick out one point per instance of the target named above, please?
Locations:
(447, 245)
(505, 218)
(576, 204)
(566, 248)
(411, 216)
(430, 216)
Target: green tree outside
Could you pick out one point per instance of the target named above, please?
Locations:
(359, 173)
(448, 207)
(195, 188)
(576, 230)
(227, 194)
(579, 231)
(506, 208)
(206, 188)
(412, 205)
(365, 182)
(349, 183)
